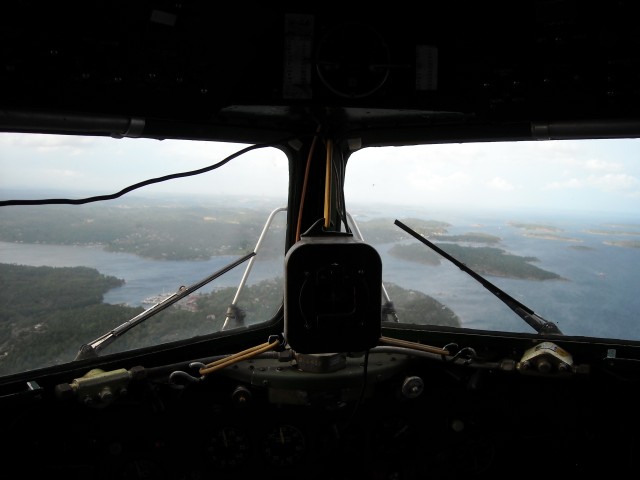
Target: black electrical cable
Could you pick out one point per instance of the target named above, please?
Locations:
(151, 181)
(363, 391)
(339, 181)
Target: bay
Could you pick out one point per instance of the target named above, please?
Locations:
(143, 277)
(597, 296)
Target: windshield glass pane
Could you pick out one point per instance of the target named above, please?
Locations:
(70, 273)
(555, 225)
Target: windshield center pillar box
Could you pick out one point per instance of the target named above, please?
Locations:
(333, 294)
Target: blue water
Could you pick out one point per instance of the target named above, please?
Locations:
(598, 295)
(144, 277)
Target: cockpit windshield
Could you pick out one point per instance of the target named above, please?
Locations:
(183, 239)
(76, 265)
(554, 225)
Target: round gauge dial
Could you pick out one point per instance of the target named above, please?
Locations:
(353, 60)
(228, 447)
(284, 445)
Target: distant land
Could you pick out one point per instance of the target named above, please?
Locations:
(168, 230)
(177, 230)
(536, 227)
(623, 243)
(482, 259)
(547, 232)
(629, 231)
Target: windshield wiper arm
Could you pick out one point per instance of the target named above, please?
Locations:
(91, 349)
(538, 323)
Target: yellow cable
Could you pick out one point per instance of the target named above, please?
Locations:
(327, 186)
(418, 346)
(236, 357)
(304, 184)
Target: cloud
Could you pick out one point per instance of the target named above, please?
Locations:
(570, 183)
(498, 183)
(69, 174)
(601, 165)
(609, 182)
(46, 143)
(434, 183)
(613, 182)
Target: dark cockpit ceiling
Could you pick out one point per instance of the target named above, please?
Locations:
(253, 72)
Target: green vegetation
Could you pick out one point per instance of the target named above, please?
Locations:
(580, 247)
(415, 252)
(169, 232)
(48, 313)
(614, 231)
(624, 243)
(383, 230)
(417, 308)
(551, 236)
(535, 227)
(470, 237)
(543, 232)
(483, 260)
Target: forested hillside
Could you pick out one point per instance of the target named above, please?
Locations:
(175, 232)
(48, 313)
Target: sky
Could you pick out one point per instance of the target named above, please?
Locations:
(593, 174)
(105, 165)
(602, 175)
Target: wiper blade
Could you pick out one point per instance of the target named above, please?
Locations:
(538, 323)
(91, 349)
